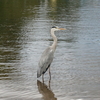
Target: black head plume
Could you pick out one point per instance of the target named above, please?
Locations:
(54, 27)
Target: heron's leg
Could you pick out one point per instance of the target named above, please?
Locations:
(49, 83)
(43, 78)
(49, 74)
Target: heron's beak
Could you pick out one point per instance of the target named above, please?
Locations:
(62, 28)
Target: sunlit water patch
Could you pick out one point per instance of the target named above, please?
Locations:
(25, 33)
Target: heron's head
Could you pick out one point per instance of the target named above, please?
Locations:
(56, 28)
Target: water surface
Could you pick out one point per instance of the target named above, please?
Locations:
(25, 33)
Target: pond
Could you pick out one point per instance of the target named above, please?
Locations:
(25, 33)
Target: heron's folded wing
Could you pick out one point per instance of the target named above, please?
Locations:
(46, 59)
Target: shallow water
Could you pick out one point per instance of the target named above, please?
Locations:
(25, 33)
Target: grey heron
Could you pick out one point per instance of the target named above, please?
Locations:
(47, 56)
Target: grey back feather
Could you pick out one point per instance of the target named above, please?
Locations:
(45, 61)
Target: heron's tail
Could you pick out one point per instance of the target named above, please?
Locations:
(38, 73)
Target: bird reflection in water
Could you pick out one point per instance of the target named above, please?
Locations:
(45, 91)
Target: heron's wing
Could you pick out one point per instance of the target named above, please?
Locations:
(45, 60)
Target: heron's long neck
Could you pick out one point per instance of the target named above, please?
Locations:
(53, 46)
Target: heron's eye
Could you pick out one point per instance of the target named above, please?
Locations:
(57, 27)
